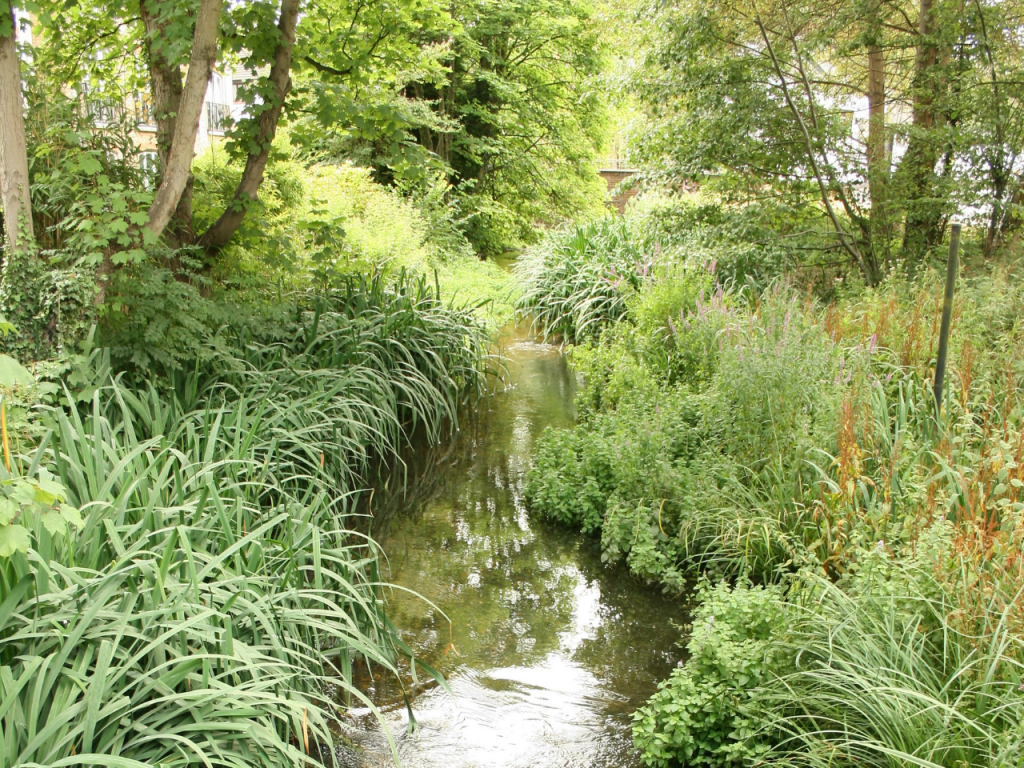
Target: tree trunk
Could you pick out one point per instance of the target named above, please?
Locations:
(179, 157)
(14, 188)
(248, 188)
(924, 209)
(877, 157)
(166, 86)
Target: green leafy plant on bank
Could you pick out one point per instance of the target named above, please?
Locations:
(188, 540)
(199, 596)
(712, 710)
(773, 437)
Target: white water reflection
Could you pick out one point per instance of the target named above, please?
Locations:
(554, 649)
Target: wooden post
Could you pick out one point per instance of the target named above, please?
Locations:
(952, 267)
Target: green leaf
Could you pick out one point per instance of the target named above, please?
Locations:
(50, 486)
(9, 509)
(13, 538)
(71, 514)
(13, 373)
(23, 492)
(53, 522)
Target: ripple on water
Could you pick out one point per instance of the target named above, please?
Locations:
(554, 650)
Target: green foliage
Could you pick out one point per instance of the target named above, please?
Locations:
(88, 200)
(204, 568)
(383, 357)
(518, 116)
(322, 225)
(886, 674)
(89, 195)
(270, 238)
(767, 436)
(712, 710)
(568, 484)
(732, 101)
(577, 280)
(750, 243)
(716, 474)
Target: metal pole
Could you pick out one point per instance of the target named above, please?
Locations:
(947, 313)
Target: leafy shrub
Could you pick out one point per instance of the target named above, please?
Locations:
(569, 487)
(721, 478)
(751, 244)
(712, 710)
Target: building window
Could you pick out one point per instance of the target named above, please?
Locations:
(144, 111)
(218, 117)
(149, 165)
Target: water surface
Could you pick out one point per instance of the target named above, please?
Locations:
(547, 651)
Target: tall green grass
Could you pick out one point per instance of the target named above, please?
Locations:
(202, 611)
(209, 604)
(576, 281)
(884, 678)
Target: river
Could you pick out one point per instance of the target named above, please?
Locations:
(548, 651)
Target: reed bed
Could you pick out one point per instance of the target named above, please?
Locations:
(186, 584)
(576, 282)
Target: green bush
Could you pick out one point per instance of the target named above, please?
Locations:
(720, 478)
(753, 244)
(712, 710)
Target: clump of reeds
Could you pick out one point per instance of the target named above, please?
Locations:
(187, 586)
(576, 281)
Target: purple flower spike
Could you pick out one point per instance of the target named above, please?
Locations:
(872, 341)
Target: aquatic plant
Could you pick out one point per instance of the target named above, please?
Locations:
(576, 281)
(203, 605)
(185, 582)
(711, 711)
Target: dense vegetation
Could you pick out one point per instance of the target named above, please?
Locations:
(741, 436)
(204, 362)
(206, 353)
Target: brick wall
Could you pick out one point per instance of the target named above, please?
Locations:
(618, 197)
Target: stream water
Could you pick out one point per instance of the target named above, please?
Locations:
(548, 650)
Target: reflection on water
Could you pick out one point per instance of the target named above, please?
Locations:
(548, 651)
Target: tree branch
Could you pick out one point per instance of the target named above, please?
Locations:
(179, 159)
(252, 177)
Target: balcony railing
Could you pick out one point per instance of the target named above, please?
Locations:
(104, 112)
(218, 117)
(108, 113)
